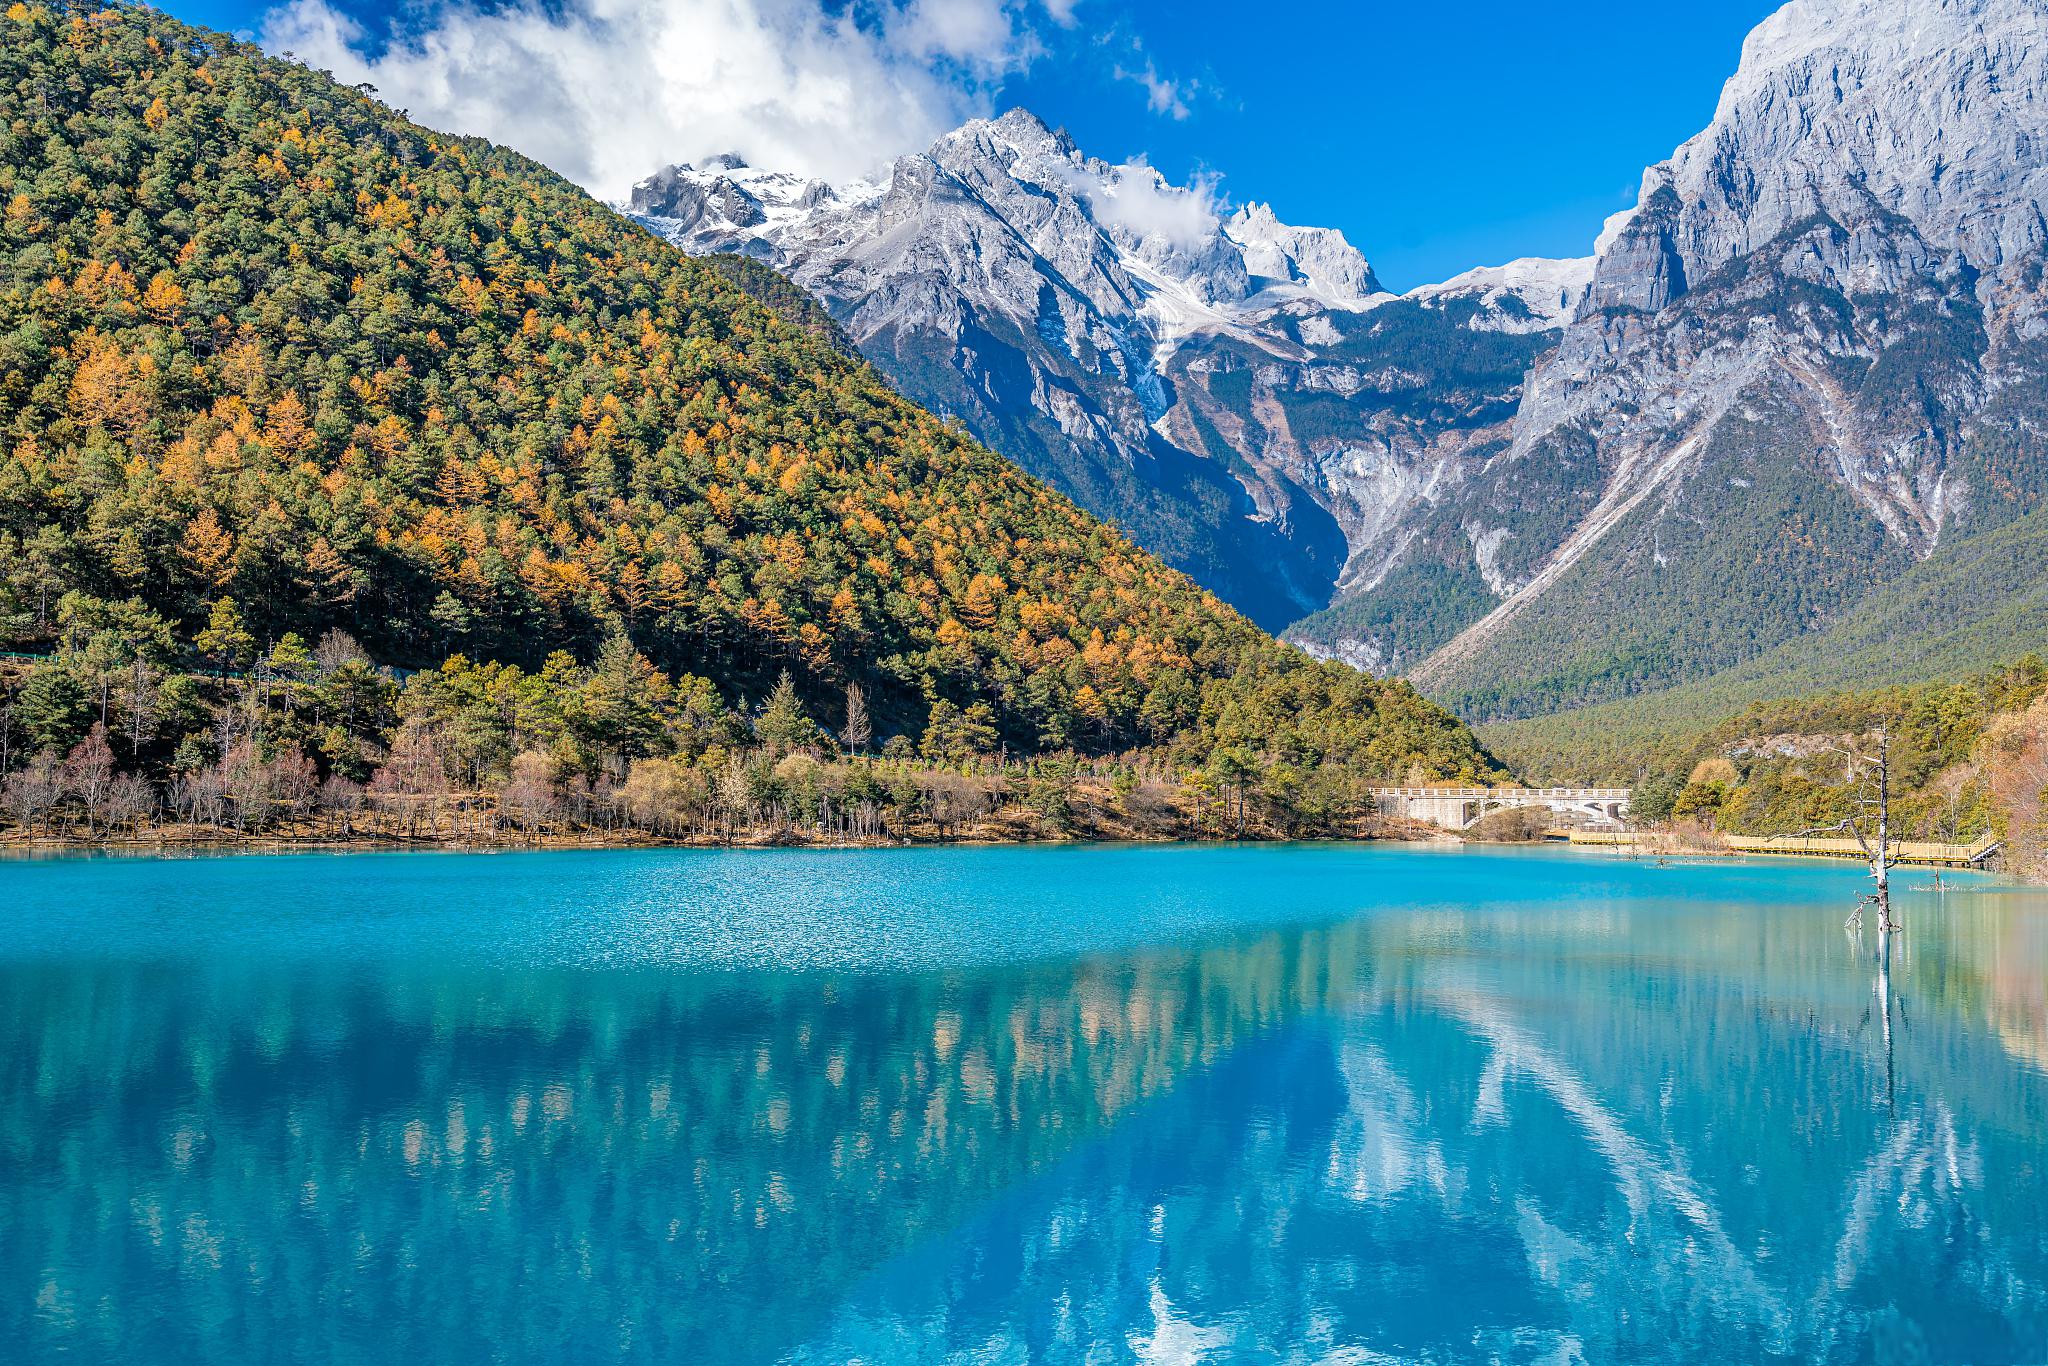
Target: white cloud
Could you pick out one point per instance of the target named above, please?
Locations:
(1162, 96)
(606, 91)
(1134, 196)
(977, 32)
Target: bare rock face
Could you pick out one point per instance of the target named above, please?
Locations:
(1808, 359)
(1642, 269)
(1932, 108)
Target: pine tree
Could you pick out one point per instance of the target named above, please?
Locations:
(783, 724)
(226, 640)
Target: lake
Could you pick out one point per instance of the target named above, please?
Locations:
(1161, 1104)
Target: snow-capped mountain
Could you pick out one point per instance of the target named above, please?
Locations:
(1132, 341)
(1811, 357)
(1133, 244)
(1530, 295)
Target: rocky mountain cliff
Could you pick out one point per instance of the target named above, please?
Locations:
(1239, 393)
(1810, 358)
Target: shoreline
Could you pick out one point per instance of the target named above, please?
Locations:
(15, 847)
(271, 844)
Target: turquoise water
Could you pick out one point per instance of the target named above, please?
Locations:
(1005, 1105)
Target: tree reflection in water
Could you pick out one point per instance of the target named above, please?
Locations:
(1597, 1128)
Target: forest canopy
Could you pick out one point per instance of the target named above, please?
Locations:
(272, 354)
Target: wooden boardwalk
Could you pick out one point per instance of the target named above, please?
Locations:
(1903, 851)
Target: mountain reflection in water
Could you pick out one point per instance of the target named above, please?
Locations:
(1514, 1107)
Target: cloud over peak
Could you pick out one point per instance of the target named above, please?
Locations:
(605, 90)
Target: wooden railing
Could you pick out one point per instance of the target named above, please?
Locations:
(1903, 851)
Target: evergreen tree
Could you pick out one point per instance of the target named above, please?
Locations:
(226, 641)
(783, 724)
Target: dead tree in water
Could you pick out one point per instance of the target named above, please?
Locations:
(1869, 823)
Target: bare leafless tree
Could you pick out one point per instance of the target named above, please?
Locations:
(88, 773)
(532, 797)
(198, 797)
(858, 730)
(249, 783)
(956, 800)
(295, 781)
(10, 685)
(1869, 822)
(141, 705)
(130, 801)
(340, 800)
(34, 791)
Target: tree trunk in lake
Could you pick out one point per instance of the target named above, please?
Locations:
(1881, 868)
(1869, 823)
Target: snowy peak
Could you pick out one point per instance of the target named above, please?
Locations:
(727, 205)
(1156, 255)
(1529, 295)
(1017, 135)
(1318, 260)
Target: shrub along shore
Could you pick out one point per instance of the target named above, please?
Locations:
(800, 799)
(320, 746)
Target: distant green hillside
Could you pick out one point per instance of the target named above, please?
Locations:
(264, 340)
(1968, 757)
(1975, 604)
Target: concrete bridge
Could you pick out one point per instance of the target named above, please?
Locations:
(1461, 808)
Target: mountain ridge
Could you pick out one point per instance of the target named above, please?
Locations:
(1807, 357)
(1829, 300)
(1073, 312)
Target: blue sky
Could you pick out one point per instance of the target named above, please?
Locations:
(1437, 136)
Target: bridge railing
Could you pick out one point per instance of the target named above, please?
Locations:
(1901, 851)
(1508, 794)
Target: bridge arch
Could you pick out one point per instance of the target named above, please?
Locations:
(1461, 808)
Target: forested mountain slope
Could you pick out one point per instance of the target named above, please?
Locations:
(262, 339)
(1977, 603)
(1969, 758)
